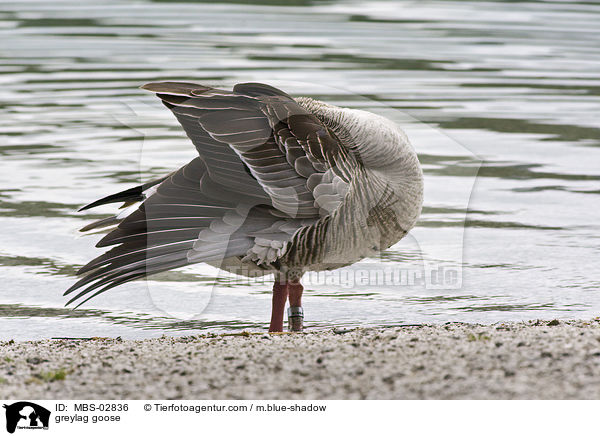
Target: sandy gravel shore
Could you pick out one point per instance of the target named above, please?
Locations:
(543, 359)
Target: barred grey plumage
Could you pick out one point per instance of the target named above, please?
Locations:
(281, 185)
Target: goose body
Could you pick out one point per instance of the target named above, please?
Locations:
(281, 185)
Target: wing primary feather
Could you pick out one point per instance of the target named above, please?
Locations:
(100, 224)
(134, 194)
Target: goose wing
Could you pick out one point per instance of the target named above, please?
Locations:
(259, 132)
(266, 168)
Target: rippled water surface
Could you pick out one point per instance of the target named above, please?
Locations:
(500, 100)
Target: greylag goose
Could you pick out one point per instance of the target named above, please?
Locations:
(281, 185)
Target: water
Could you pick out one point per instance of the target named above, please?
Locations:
(509, 92)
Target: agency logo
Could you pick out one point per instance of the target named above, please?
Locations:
(26, 415)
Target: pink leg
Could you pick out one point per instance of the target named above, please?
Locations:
(280, 295)
(296, 315)
(295, 290)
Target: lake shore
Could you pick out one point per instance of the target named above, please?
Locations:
(525, 360)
